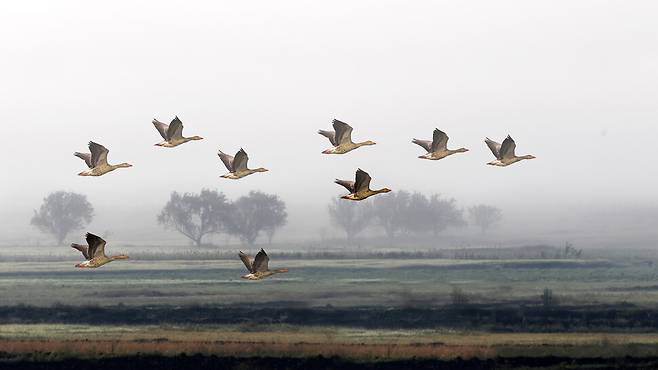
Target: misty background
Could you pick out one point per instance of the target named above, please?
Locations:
(575, 84)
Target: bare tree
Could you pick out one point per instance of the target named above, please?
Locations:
(484, 216)
(444, 214)
(417, 217)
(62, 212)
(257, 212)
(389, 211)
(196, 216)
(351, 217)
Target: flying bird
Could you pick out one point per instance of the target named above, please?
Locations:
(172, 133)
(360, 189)
(438, 147)
(257, 266)
(341, 139)
(504, 152)
(237, 166)
(97, 161)
(94, 252)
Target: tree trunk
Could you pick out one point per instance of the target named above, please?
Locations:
(60, 236)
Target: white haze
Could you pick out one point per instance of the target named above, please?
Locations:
(574, 82)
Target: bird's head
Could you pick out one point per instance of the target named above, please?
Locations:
(328, 151)
(124, 165)
(369, 142)
(385, 190)
(261, 169)
(529, 157)
(462, 150)
(196, 138)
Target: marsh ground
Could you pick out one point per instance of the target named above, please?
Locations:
(363, 282)
(389, 310)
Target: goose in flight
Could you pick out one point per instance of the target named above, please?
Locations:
(359, 189)
(94, 252)
(257, 266)
(438, 147)
(172, 133)
(341, 139)
(504, 152)
(237, 166)
(97, 161)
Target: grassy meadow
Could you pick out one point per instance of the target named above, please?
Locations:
(340, 283)
(361, 309)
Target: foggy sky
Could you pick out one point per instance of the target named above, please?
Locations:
(575, 84)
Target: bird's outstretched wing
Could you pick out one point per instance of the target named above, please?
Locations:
(343, 132)
(261, 261)
(507, 148)
(98, 154)
(175, 130)
(426, 144)
(161, 127)
(85, 157)
(227, 159)
(96, 245)
(329, 135)
(349, 185)
(82, 248)
(240, 161)
(362, 182)
(439, 141)
(494, 147)
(247, 261)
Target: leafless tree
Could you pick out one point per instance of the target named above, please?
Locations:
(62, 212)
(196, 215)
(389, 211)
(484, 216)
(351, 217)
(255, 213)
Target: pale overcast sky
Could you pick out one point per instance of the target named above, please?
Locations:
(574, 82)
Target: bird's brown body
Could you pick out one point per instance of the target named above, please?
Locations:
(504, 152)
(360, 188)
(96, 160)
(437, 148)
(341, 139)
(258, 266)
(172, 133)
(237, 165)
(94, 253)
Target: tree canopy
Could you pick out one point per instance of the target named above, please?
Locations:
(62, 212)
(196, 215)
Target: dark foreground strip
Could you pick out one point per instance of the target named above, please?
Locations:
(493, 317)
(321, 363)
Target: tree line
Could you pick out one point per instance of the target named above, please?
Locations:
(407, 213)
(257, 214)
(193, 215)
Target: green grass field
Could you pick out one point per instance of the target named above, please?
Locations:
(328, 282)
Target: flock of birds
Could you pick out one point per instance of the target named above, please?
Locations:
(341, 141)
